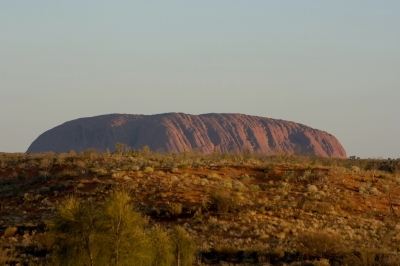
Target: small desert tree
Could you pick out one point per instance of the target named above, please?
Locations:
(108, 233)
(76, 234)
(126, 238)
(45, 165)
(119, 148)
(162, 247)
(390, 199)
(183, 247)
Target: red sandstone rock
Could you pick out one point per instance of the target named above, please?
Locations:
(178, 132)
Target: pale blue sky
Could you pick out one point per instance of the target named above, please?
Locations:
(331, 65)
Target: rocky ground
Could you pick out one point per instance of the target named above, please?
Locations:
(238, 208)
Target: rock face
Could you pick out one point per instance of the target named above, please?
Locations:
(178, 132)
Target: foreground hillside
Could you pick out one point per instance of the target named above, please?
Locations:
(237, 208)
(177, 132)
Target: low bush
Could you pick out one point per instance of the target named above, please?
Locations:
(313, 178)
(371, 257)
(174, 170)
(226, 252)
(269, 168)
(320, 244)
(148, 169)
(174, 209)
(318, 207)
(9, 256)
(224, 201)
(213, 176)
(10, 231)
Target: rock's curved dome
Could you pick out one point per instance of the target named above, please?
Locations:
(178, 132)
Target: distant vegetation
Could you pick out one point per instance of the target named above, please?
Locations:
(148, 208)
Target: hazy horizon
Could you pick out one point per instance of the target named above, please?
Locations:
(333, 66)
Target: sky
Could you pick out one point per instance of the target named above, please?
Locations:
(331, 65)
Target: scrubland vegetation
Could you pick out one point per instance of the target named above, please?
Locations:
(151, 208)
